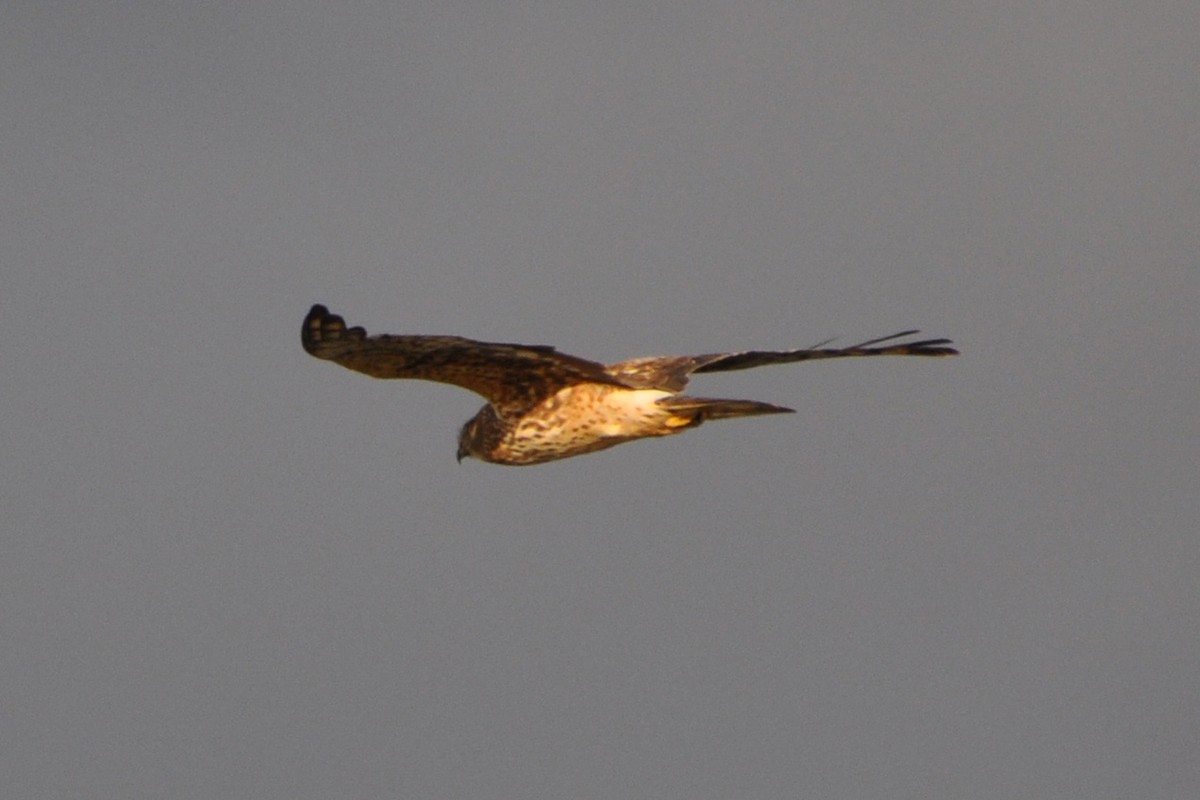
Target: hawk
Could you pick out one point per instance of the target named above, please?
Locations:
(543, 405)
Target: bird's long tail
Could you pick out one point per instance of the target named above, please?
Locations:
(698, 409)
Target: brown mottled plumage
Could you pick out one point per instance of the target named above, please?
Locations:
(544, 405)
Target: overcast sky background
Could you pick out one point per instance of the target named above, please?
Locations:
(228, 570)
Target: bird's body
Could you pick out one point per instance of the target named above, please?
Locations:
(588, 417)
(544, 405)
(574, 420)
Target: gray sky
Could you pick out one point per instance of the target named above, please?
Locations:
(229, 570)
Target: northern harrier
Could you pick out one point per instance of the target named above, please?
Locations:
(544, 405)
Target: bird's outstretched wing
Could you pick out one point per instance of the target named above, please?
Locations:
(671, 373)
(760, 358)
(512, 377)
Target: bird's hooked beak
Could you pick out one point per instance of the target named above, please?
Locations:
(462, 453)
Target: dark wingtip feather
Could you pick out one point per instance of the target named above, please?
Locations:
(935, 347)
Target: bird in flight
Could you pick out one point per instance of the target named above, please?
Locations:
(543, 405)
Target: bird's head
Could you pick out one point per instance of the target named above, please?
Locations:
(470, 439)
(464, 441)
